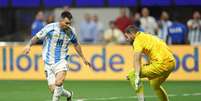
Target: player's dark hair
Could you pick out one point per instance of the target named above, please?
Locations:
(66, 14)
(131, 29)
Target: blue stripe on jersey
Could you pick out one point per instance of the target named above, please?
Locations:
(73, 38)
(57, 51)
(57, 54)
(48, 46)
(67, 57)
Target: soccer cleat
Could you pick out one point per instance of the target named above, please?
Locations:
(70, 97)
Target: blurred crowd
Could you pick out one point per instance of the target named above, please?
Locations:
(166, 27)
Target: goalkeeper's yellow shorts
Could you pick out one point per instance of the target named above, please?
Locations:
(157, 69)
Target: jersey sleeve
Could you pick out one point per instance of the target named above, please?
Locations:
(74, 37)
(137, 45)
(43, 32)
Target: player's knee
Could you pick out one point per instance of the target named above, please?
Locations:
(59, 82)
(51, 89)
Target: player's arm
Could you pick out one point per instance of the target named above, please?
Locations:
(137, 62)
(78, 49)
(39, 36)
(138, 47)
(137, 67)
(33, 41)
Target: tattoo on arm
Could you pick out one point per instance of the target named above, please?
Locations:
(34, 40)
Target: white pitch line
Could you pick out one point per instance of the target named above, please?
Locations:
(196, 94)
(132, 97)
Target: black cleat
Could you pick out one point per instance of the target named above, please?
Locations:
(70, 97)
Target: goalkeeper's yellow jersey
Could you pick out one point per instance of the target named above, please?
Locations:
(156, 49)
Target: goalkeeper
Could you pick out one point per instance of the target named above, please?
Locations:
(161, 62)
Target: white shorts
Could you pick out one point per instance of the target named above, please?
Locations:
(52, 69)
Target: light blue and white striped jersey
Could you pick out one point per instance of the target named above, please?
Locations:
(56, 42)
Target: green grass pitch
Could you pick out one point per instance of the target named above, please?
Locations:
(97, 91)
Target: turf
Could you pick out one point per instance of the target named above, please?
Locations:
(97, 91)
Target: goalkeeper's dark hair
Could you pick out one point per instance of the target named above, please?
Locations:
(131, 29)
(66, 14)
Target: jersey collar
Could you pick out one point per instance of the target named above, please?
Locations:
(137, 33)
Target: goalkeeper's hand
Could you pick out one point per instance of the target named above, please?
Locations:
(137, 82)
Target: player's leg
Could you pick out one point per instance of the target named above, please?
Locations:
(146, 71)
(60, 76)
(59, 83)
(160, 73)
(60, 70)
(50, 76)
(65, 92)
(155, 73)
(160, 77)
(159, 90)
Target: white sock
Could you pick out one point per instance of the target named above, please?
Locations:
(57, 93)
(66, 93)
(140, 97)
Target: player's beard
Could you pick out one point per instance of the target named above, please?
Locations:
(67, 31)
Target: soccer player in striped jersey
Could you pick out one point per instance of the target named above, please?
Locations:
(56, 39)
